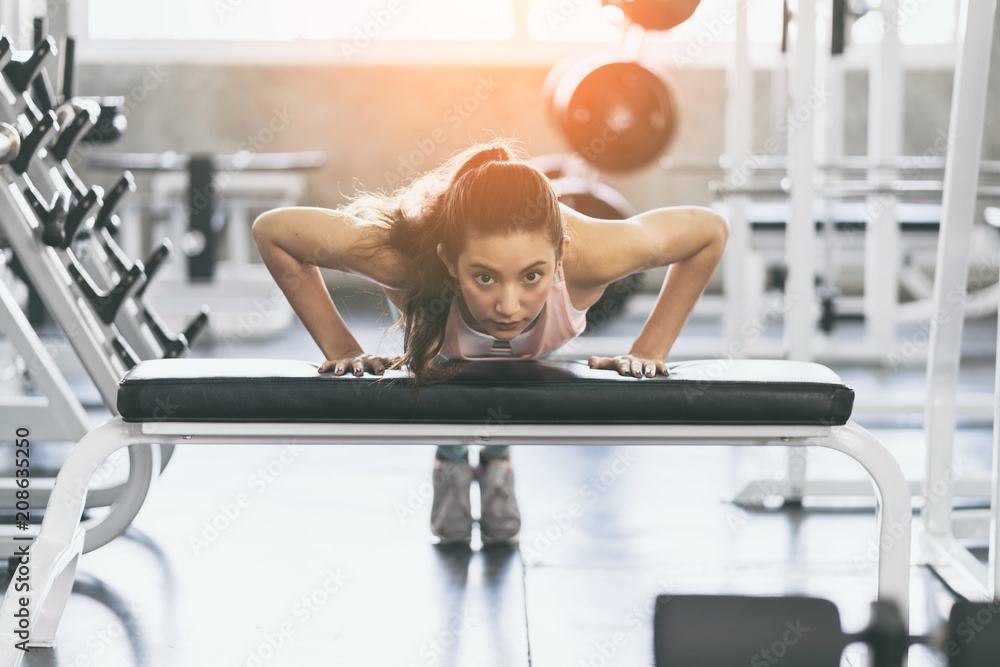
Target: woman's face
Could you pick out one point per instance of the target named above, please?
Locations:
(504, 280)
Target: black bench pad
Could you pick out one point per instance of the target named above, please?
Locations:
(718, 391)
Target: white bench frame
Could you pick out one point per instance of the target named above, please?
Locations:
(55, 554)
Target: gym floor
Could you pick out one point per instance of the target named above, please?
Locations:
(253, 556)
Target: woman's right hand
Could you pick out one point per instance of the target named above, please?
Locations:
(358, 364)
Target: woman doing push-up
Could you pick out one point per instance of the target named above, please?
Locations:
(483, 262)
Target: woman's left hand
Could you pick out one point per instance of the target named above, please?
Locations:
(630, 365)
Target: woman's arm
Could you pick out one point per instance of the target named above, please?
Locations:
(692, 244)
(295, 242)
(690, 239)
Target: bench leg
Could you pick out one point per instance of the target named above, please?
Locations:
(144, 465)
(53, 557)
(797, 462)
(60, 570)
(893, 512)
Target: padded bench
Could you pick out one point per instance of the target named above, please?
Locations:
(246, 401)
(532, 392)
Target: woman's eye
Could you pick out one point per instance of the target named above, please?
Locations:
(486, 278)
(536, 274)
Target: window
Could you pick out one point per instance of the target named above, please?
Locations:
(559, 20)
(450, 31)
(300, 19)
(920, 22)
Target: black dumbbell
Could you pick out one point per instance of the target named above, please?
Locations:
(20, 73)
(154, 262)
(51, 217)
(124, 352)
(79, 213)
(175, 346)
(120, 262)
(197, 325)
(717, 630)
(6, 51)
(111, 123)
(37, 313)
(36, 139)
(172, 346)
(106, 224)
(106, 303)
(709, 630)
(67, 68)
(85, 114)
(41, 87)
(107, 219)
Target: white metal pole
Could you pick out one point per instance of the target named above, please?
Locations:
(961, 178)
(800, 238)
(994, 544)
(739, 145)
(882, 242)
(65, 418)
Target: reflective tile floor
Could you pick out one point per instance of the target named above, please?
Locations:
(274, 556)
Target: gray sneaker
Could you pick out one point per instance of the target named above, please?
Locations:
(451, 514)
(500, 518)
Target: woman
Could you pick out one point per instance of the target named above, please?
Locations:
(483, 262)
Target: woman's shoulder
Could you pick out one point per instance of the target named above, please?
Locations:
(583, 238)
(371, 254)
(387, 268)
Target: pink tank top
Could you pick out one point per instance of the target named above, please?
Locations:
(557, 324)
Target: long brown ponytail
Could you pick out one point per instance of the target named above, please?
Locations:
(484, 190)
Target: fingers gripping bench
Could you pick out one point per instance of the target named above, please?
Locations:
(220, 401)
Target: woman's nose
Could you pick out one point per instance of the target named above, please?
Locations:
(508, 303)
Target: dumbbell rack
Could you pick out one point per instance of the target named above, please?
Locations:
(61, 234)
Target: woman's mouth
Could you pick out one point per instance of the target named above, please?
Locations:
(503, 326)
